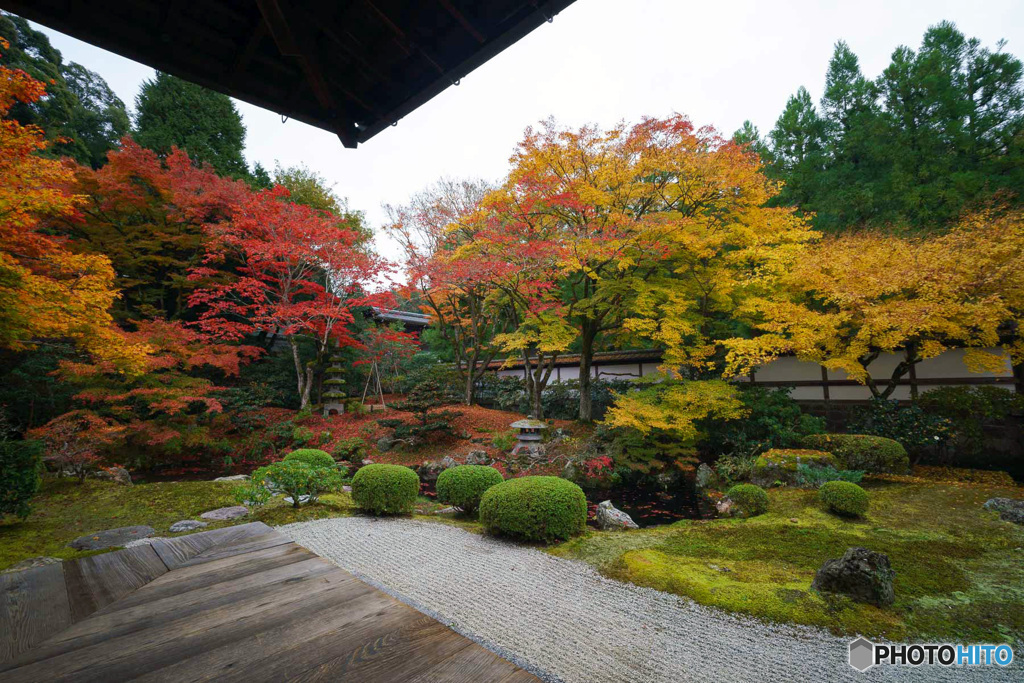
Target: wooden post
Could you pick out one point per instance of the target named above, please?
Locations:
(825, 393)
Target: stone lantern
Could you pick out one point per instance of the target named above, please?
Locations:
(529, 436)
(334, 397)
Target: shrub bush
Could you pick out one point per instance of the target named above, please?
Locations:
(505, 441)
(780, 464)
(312, 456)
(871, 454)
(293, 477)
(748, 500)
(464, 485)
(844, 498)
(301, 436)
(352, 449)
(969, 410)
(535, 509)
(919, 432)
(385, 489)
(773, 420)
(20, 465)
(814, 477)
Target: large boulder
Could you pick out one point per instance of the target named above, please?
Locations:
(118, 475)
(111, 538)
(478, 458)
(610, 518)
(861, 574)
(705, 476)
(1009, 509)
(222, 514)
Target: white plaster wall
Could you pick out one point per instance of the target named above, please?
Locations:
(787, 369)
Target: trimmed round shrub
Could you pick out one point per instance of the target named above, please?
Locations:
(872, 454)
(385, 489)
(535, 509)
(464, 485)
(311, 456)
(748, 500)
(844, 498)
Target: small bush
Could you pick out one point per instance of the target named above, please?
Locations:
(352, 449)
(385, 489)
(844, 498)
(464, 485)
(773, 420)
(748, 500)
(505, 441)
(301, 436)
(969, 410)
(814, 477)
(535, 509)
(20, 465)
(293, 477)
(918, 431)
(872, 454)
(312, 456)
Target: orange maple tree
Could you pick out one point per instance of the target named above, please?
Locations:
(46, 290)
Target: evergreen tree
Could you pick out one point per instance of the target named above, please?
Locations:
(79, 106)
(797, 150)
(749, 135)
(173, 112)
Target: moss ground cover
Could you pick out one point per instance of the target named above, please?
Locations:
(960, 571)
(65, 510)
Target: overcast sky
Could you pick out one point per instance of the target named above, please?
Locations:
(600, 61)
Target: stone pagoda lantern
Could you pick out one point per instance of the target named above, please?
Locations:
(334, 396)
(529, 436)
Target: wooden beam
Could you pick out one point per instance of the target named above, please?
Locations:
(458, 16)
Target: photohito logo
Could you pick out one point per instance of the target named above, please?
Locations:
(864, 654)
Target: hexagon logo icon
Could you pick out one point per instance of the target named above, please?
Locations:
(862, 654)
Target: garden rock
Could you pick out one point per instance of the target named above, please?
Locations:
(118, 475)
(110, 538)
(724, 507)
(1015, 515)
(610, 518)
(303, 499)
(221, 514)
(385, 444)
(428, 471)
(478, 458)
(448, 462)
(1003, 504)
(571, 471)
(705, 475)
(861, 574)
(187, 525)
(234, 477)
(31, 563)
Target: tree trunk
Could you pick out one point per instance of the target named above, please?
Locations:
(470, 388)
(586, 362)
(304, 376)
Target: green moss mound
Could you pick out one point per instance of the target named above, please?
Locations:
(385, 489)
(780, 464)
(844, 498)
(872, 454)
(311, 456)
(535, 509)
(464, 485)
(748, 500)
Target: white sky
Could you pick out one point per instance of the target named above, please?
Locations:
(600, 61)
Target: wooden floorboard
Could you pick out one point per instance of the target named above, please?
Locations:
(33, 606)
(238, 604)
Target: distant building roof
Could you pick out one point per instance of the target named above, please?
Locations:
(405, 317)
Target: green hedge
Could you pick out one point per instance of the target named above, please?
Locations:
(844, 498)
(535, 508)
(311, 456)
(872, 454)
(464, 485)
(747, 500)
(385, 489)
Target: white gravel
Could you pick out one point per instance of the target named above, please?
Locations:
(564, 622)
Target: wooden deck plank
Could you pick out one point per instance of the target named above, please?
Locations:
(176, 551)
(140, 651)
(275, 654)
(96, 581)
(240, 605)
(33, 606)
(474, 664)
(392, 656)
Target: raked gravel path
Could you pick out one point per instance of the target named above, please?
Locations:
(564, 622)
